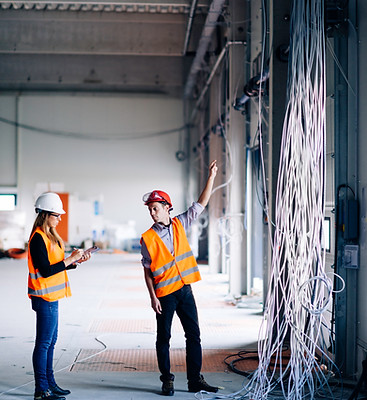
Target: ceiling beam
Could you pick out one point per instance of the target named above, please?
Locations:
(164, 6)
(92, 73)
(198, 64)
(31, 32)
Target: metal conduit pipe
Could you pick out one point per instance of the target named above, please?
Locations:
(189, 26)
(208, 29)
(210, 78)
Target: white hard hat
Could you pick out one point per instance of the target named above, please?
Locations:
(49, 202)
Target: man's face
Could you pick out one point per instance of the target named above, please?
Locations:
(159, 212)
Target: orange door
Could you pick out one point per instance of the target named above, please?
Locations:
(63, 227)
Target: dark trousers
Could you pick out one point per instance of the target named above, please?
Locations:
(183, 303)
(47, 315)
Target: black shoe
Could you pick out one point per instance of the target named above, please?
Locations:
(47, 395)
(57, 390)
(201, 385)
(167, 388)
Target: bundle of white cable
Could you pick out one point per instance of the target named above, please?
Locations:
(299, 289)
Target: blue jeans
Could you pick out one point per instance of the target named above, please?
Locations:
(183, 303)
(47, 313)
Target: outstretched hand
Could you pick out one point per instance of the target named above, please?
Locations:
(207, 191)
(213, 168)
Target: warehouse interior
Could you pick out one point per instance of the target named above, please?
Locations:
(103, 101)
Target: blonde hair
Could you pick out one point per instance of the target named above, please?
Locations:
(51, 233)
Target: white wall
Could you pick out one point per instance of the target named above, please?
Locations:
(118, 171)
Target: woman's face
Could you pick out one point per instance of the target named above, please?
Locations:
(53, 220)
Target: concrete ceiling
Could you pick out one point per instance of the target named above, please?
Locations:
(137, 46)
(122, 46)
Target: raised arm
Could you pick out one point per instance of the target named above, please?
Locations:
(207, 191)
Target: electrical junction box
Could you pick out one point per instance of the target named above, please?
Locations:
(351, 220)
(351, 255)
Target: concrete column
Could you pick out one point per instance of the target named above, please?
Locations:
(216, 152)
(236, 136)
(346, 182)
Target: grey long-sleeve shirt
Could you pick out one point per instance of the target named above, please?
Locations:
(166, 233)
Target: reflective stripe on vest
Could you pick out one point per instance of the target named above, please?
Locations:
(49, 290)
(170, 264)
(54, 287)
(171, 272)
(177, 278)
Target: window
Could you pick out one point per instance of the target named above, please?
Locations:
(8, 202)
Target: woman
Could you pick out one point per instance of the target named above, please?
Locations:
(47, 283)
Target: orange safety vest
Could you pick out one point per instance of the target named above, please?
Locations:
(54, 287)
(171, 272)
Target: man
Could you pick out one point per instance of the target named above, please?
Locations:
(169, 269)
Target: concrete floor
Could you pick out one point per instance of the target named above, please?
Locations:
(109, 316)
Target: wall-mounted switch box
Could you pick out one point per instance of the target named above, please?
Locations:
(351, 256)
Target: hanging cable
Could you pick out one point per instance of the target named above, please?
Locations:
(300, 291)
(102, 136)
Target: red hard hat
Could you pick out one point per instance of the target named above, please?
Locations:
(157, 195)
